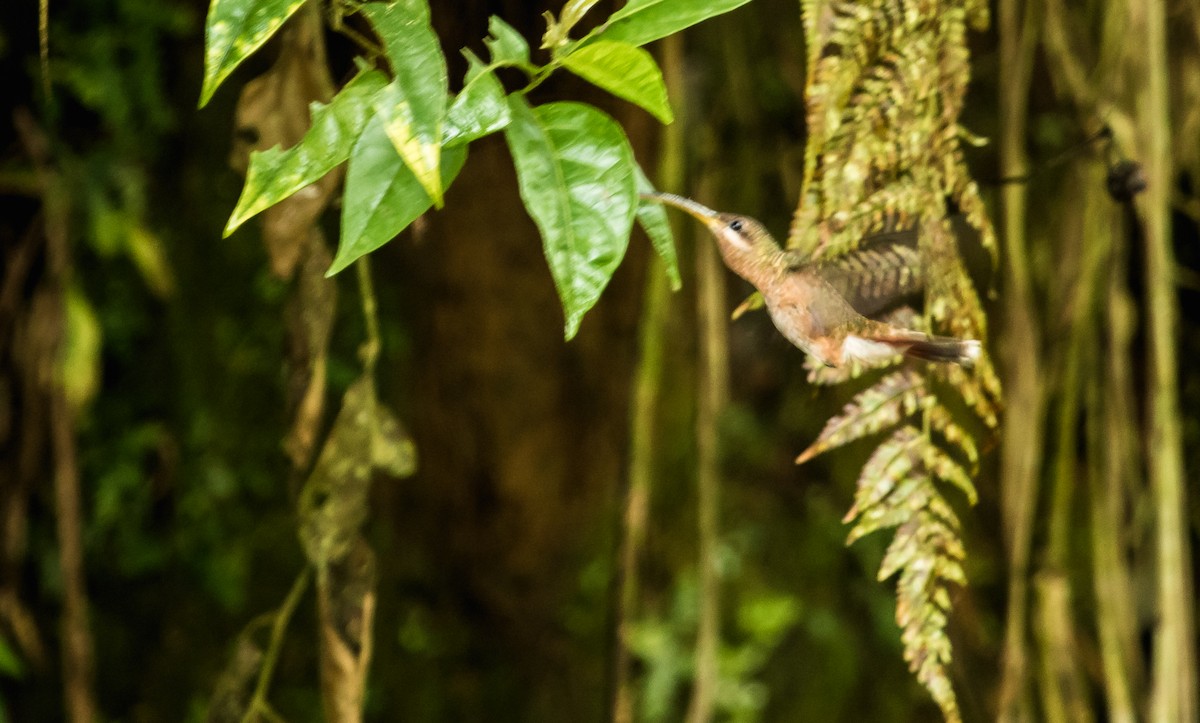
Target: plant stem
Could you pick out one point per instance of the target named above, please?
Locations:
(370, 348)
(712, 394)
(1022, 443)
(1174, 688)
(258, 701)
(636, 503)
(1116, 619)
(646, 395)
(78, 649)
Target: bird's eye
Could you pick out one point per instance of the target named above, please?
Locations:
(737, 225)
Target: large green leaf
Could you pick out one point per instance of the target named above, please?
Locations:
(234, 30)
(575, 171)
(382, 195)
(642, 21)
(413, 105)
(624, 70)
(652, 217)
(276, 174)
(480, 107)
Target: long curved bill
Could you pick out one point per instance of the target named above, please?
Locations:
(700, 211)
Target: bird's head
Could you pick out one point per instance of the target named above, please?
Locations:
(741, 239)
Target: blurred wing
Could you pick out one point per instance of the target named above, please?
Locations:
(875, 276)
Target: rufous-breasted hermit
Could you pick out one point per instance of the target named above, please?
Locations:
(808, 301)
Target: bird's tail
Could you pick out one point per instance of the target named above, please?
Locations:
(933, 348)
(945, 349)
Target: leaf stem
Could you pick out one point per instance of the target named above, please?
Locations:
(258, 702)
(336, 17)
(539, 76)
(370, 348)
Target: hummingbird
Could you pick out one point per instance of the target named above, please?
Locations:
(809, 301)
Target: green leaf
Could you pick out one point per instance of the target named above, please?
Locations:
(480, 107)
(382, 195)
(642, 21)
(276, 174)
(506, 45)
(234, 30)
(413, 105)
(392, 448)
(575, 171)
(625, 71)
(79, 360)
(11, 665)
(652, 217)
(334, 500)
(148, 253)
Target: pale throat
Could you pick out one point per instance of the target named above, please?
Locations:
(752, 261)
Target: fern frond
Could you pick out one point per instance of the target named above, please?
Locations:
(937, 506)
(947, 469)
(915, 491)
(911, 547)
(886, 84)
(971, 387)
(824, 376)
(895, 397)
(927, 553)
(922, 603)
(942, 421)
(891, 462)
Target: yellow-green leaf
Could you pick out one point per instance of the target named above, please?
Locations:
(233, 31)
(652, 217)
(382, 195)
(392, 448)
(506, 45)
(413, 105)
(890, 463)
(276, 174)
(480, 107)
(79, 364)
(148, 253)
(642, 21)
(624, 70)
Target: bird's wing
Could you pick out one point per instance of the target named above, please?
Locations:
(873, 277)
(831, 313)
